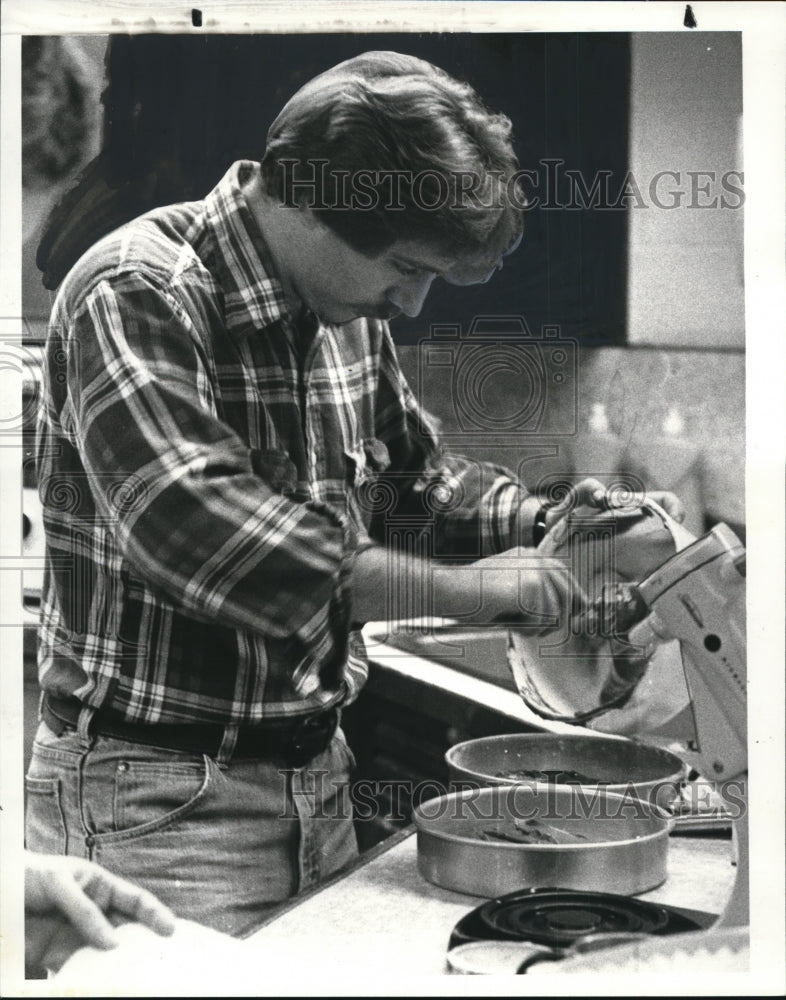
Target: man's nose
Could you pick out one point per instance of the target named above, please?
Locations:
(409, 296)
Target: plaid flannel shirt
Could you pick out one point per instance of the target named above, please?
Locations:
(207, 474)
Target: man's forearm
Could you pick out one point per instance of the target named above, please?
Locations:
(389, 584)
(516, 586)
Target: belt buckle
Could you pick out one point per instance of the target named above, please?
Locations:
(310, 736)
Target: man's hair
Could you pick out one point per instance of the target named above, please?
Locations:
(385, 146)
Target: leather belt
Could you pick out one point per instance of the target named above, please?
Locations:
(296, 740)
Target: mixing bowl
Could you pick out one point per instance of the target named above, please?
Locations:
(619, 766)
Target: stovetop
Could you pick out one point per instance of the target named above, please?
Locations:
(558, 919)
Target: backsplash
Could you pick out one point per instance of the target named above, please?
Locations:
(675, 418)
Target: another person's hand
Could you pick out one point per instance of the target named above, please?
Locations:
(71, 902)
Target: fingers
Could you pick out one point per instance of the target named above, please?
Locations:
(49, 942)
(82, 912)
(670, 503)
(81, 901)
(592, 492)
(587, 493)
(145, 908)
(549, 597)
(568, 594)
(116, 895)
(39, 932)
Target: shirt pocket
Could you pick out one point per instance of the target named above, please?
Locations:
(369, 493)
(276, 468)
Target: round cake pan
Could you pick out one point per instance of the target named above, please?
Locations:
(618, 765)
(494, 840)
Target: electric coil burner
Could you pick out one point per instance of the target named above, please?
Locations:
(557, 920)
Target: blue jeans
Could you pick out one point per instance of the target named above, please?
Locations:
(219, 844)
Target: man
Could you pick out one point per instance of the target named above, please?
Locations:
(225, 435)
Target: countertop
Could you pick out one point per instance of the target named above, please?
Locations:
(370, 931)
(384, 912)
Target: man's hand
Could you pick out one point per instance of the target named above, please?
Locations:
(670, 503)
(71, 902)
(592, 493)
(520, 588)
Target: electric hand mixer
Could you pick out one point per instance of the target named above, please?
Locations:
(698, 597)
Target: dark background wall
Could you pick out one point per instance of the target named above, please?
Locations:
(179, 109)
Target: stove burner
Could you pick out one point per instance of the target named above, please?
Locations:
(576, 921)
(559, 918)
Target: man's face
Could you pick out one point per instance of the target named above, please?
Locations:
(340, 284)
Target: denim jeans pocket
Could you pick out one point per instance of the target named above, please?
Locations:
(44, 820)
(147, 792)
(126, 796)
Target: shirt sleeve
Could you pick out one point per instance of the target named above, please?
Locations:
(469, 509)
(204, 528)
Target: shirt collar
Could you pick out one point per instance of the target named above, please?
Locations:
(253, 294)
